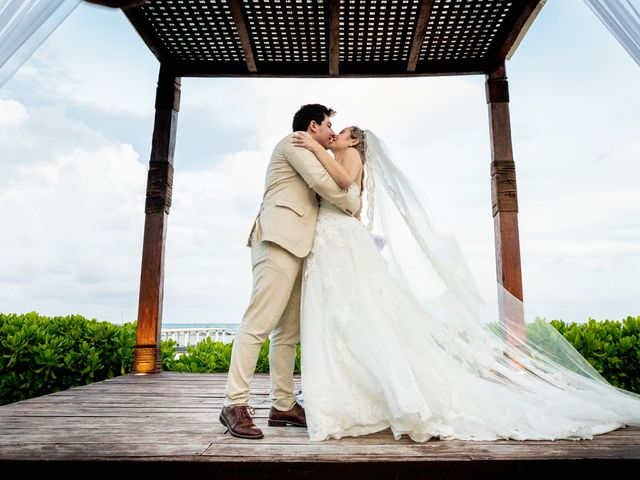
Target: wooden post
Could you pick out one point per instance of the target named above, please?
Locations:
(504, 201)
(159, 184)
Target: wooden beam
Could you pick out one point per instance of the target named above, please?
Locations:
(159, 186)
(418, 34)
(243, 32)
(119, 3)
(520, 26)
(505, 200)
(146, 32)
(320, 70)
(334, 37)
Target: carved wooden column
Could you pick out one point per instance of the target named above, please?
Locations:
(504, 199)
(159, 183)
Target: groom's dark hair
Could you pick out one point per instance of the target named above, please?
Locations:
(307, 113)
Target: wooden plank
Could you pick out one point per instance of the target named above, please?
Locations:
(334, 37)
(418, 34)
(261, 404)
(80, 451)
(243, 32)
(106, 437)
(214, 433)
(435, 452)
(226, 445)
(104, 421)
(91, 424)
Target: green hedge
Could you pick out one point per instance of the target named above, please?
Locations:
(40, 355)
(611, 347)
(208, 356)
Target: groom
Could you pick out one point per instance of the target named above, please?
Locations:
(281, 237)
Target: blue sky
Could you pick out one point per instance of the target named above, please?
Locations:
(75, 135)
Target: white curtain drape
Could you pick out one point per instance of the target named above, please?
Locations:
(622, 19)
(24, 25)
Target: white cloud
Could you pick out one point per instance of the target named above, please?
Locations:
(76, 231)
(45, 132)
(72, 189)
(12, 113)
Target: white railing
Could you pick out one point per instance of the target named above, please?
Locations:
(190, 336)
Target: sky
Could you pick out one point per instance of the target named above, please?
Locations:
(75, 136)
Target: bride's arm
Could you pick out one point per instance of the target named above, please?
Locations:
(343, 174)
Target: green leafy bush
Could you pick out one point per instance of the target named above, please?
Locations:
(40, 355)
(611, 347)
(208, 356)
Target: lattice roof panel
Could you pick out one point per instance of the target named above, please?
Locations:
(332, 37)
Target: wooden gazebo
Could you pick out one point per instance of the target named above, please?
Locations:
(322, 38)
(167, 423)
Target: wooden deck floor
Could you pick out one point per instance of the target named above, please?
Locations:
(169, 421)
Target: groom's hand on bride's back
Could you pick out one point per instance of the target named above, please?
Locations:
(304, 140)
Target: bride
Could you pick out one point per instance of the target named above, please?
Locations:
(392, 332)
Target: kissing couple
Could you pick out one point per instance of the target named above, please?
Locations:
(390, 325)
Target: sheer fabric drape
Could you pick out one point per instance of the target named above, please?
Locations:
(24, 25)
(422, 251)
(622, 19)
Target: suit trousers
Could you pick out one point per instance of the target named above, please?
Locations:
(274, 309)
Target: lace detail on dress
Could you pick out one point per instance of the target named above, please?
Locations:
(354, 414)
(383, 290)
(329, 279)
(343, 315)
(328, 229)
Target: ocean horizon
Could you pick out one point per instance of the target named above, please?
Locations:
(230, 326)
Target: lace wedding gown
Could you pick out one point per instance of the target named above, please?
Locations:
(374, 357)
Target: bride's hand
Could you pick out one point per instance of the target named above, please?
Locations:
(304, 140)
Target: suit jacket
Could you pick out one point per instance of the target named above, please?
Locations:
(289, 207)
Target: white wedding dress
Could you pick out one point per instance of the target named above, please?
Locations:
(374, 356)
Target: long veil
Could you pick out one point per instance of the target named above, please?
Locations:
(423, 254)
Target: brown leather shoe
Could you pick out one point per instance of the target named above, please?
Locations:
(239, 423)
(295, 416)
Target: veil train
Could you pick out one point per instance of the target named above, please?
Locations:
(423, 254)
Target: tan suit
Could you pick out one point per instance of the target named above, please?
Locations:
(282, 235)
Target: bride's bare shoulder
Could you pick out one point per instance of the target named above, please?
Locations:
(352, 155)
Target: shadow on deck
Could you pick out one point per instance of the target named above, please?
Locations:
(169, 423)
